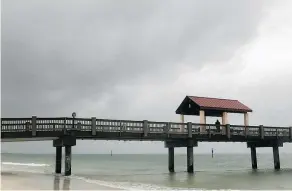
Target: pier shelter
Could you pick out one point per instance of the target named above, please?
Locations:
(211, 107)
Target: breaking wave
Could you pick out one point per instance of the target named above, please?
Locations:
(24, 164)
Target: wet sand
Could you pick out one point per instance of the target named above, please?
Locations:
(25, 181)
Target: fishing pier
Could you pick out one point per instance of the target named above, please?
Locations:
(64, 131)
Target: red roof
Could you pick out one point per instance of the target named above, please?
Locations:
(220, 104)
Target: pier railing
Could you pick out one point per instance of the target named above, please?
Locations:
(94, 125)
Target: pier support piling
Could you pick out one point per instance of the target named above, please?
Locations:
(171, 159)
(68, 160)
(66, 141)
(190, 159)
(253, 157)
(276, 157)
(190, 151)
(58, 167)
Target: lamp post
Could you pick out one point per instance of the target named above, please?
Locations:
(73, 121)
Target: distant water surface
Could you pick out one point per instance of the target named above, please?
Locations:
(150, 171)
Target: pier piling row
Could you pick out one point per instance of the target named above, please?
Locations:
(189, 143)
(273, 144)
(66, 141)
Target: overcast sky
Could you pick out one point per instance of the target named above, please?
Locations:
(139, 59)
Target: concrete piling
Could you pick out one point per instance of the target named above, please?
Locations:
(68, 160)
(190, 156)
(171, 159)
(276, 157)
(57, 143)
(253, 157)
(58, 167)
(190, 151)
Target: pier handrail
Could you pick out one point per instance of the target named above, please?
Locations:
(94, 125)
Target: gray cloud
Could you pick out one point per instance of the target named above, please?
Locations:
(58, 55)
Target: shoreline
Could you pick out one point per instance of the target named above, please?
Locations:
(27, 181)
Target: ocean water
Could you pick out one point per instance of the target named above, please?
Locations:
(150, 172)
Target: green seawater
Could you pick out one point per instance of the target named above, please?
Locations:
(146, 171)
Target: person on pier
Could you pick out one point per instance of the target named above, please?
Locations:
(217, 123)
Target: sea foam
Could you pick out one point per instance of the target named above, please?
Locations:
(124, 185)
(24, 164)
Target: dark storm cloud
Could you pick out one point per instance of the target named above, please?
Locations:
(59, 55)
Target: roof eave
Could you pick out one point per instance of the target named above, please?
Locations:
(227, 109)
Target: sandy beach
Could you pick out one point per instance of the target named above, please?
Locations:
(25, 181)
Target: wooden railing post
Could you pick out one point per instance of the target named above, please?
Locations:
(65, 126)
(167, 128)
(223, 132)
(290, 132)
(228, 130)
(27, 126)
(262, 133)
(79, 126)
(145, 128)
(190, 132)
(33, 125)
(93, 125)
(246, 129)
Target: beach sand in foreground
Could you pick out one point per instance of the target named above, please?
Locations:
(27, 181)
